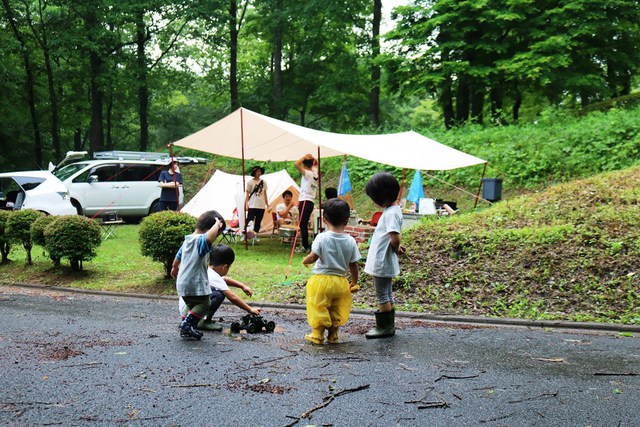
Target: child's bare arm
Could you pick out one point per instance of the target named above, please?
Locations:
(214, 231)
(310, 259)
(353, 269)
(237, 284)
(237, 301)
(175, 268)
(395, 243)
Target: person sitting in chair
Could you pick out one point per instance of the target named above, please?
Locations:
(287, 211)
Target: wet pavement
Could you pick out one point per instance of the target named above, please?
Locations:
(73, 359)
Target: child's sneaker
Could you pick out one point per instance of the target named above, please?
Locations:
(354, 289)
(186, 327)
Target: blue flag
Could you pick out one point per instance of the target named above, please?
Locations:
(416, 192)
(345, 183)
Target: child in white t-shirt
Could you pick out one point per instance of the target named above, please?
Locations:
(220, 260)
(382, 257)
(334, 252)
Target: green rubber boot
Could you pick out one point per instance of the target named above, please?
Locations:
(208, 325)
(385, 325)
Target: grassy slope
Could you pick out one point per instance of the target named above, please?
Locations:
(570, 252)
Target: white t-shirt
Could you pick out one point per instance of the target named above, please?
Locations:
(382, 261)
(256, 201)
(336, 252)
(281, 206)
(215, 282)
(308, 185)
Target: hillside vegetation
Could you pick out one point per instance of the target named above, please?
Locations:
(569, 252)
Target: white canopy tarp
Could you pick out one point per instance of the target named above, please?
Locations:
(219, 194)
(266, 139)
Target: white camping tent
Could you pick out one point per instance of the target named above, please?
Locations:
(220, 194)
(249, 135)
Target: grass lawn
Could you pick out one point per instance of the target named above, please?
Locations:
(120, 267)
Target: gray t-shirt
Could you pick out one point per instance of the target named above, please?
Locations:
(192, 276)
(336, 252)
(382, 261)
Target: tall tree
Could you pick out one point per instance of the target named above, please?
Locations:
(374, 95)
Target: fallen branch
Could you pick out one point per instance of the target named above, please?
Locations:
(617, 374)
(554, 394)
(436, 404)
(194, 385)
(326, 401)
(451, 377)
(273, 360)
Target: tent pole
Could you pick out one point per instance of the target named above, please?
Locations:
(404, 173)
(480, 186)
(244, 185)
(175, 177)
(344, 162)
(320, 228)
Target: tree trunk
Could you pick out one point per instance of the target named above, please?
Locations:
(233, 51)
(496, 96)
(374, 95)
(109, 116)
(276, 105)
(447, 102)
(477, 106)
(462, 102)
(143, 87)
(516, 107)
(53, 97)
(96, 130)
(29, 83)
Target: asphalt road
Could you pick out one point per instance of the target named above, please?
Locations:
(72, 359)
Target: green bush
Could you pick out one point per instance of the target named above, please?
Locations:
(162, 234)
(19, 228)
(5, 243)
(38, 237)
(73, 237)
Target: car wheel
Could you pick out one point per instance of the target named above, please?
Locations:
(252, 328)
(271, 326)
(76, 204)
(235, 327)
(154, 207)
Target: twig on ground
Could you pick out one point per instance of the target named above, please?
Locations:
(543, 395)
(616, 374)
(452, 377)
(326, 401)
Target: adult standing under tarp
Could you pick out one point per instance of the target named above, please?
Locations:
(170, 180)
(256, 199)
(308, 167)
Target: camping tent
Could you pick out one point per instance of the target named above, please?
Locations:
(220, 194)
(248, 135)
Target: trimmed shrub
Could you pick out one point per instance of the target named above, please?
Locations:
(73, 237)
(38, 238)
(162, 234)
(19, 228)
(5, 243)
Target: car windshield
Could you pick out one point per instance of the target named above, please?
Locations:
(67, 171)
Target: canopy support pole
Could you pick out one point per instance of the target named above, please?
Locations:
(319, 219)
(244, 185)
(480, 186)
(404, 173)
(175, 176)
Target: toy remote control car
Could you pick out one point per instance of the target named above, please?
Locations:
(253, 323)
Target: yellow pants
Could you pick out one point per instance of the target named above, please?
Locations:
(328, 301)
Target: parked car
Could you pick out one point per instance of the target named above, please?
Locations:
(39, 190)
(126, 188)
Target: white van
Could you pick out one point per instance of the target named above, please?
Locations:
(127, 188)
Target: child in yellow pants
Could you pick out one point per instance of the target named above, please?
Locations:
(334, 252)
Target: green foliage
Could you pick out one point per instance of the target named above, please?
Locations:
(162, 233)
(74, 237)
(38, 234)
(5, 241)
(19, 228)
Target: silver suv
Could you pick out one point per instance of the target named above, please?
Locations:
(128, 188)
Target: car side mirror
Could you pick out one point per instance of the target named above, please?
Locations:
(92, 179)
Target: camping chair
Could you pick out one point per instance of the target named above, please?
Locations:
(110, 221)
(374, 219)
